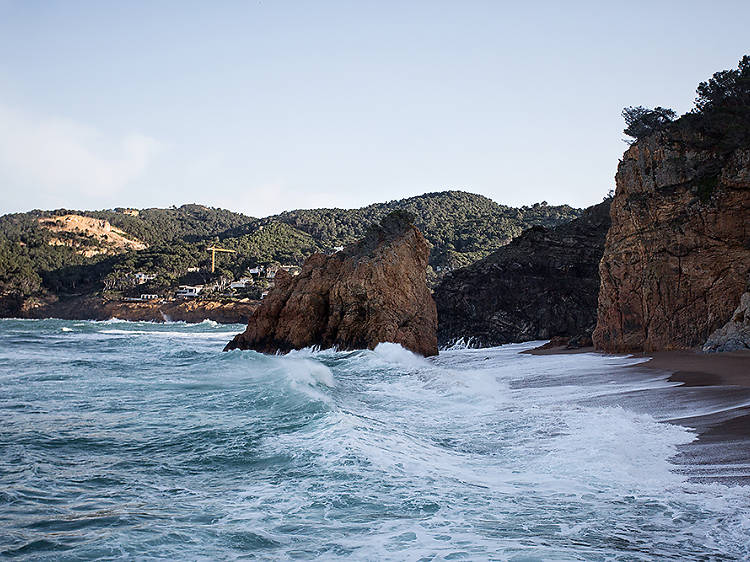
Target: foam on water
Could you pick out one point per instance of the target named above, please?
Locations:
(145, 441)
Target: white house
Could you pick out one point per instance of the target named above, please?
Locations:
(141, 277)
(189, 291)
(241, 283)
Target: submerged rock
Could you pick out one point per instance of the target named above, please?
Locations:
(735, 334)
(677, 256)
(542, 284)
(371, 292)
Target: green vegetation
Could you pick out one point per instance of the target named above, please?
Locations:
(720, 119)
(462, 227)
(641, 122)
(190, 223)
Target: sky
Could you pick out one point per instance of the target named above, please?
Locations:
(264, 106)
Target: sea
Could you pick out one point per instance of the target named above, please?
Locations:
(139, 441)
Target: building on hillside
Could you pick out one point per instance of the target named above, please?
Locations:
(242, 283)
(149, 296)
(255, 271)
(141, 277)
(188, 291)
(193, 269)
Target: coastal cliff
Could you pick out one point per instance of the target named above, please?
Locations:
(677, 256)
(541, 285)
(371, 292)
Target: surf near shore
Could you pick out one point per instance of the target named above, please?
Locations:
(710, 393)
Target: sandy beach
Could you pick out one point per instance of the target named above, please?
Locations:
(690, 367)
(694, 368)
(716, 387)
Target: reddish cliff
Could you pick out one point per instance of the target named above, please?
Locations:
(373, 291)
(677, 256)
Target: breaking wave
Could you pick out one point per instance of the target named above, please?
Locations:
(141, 440)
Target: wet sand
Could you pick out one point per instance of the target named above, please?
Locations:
(694, 368)
(716, 386)
(558, 350)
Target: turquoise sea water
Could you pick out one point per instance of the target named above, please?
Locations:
(127, 441)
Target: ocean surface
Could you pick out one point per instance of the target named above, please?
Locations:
(123, 440)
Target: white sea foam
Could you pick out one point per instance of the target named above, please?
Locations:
(366, 455)
(395, 354)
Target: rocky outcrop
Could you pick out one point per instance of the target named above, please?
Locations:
(677, 256)
(735, 334)
(371, 292)
(542, 284)
(97, 308)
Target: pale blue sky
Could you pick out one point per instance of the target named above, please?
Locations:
(273, 105)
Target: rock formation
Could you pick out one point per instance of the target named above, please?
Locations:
(542, 284)
(371, 292)
(735, 334)
(677, 256)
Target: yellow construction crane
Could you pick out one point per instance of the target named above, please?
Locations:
(213, 255)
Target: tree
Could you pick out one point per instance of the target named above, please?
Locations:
(727, 88)
(641, 121)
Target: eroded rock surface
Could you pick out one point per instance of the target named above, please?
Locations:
(541, 285)
(735, 334)
(677, 255)
(371, 292)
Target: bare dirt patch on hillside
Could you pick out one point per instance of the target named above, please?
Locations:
(89, 236)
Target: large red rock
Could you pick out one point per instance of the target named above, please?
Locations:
(677, 256)
(371, 292)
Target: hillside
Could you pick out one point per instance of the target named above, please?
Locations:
(461, 227)
(88, 236)
(41, 259)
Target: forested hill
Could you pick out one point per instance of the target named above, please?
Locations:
(66, 252)
(462, 227)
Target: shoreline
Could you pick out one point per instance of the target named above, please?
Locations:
(695, 368)
(690, 367)
(716, 386)
(97, 308)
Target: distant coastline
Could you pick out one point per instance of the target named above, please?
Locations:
(98, 308)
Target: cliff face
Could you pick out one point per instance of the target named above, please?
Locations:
(373, 291)
(677, 256)
(543, 284)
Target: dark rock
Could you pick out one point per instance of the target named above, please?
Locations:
(542, 284)
(735, 334)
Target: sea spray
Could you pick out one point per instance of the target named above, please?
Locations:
(143, 440)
